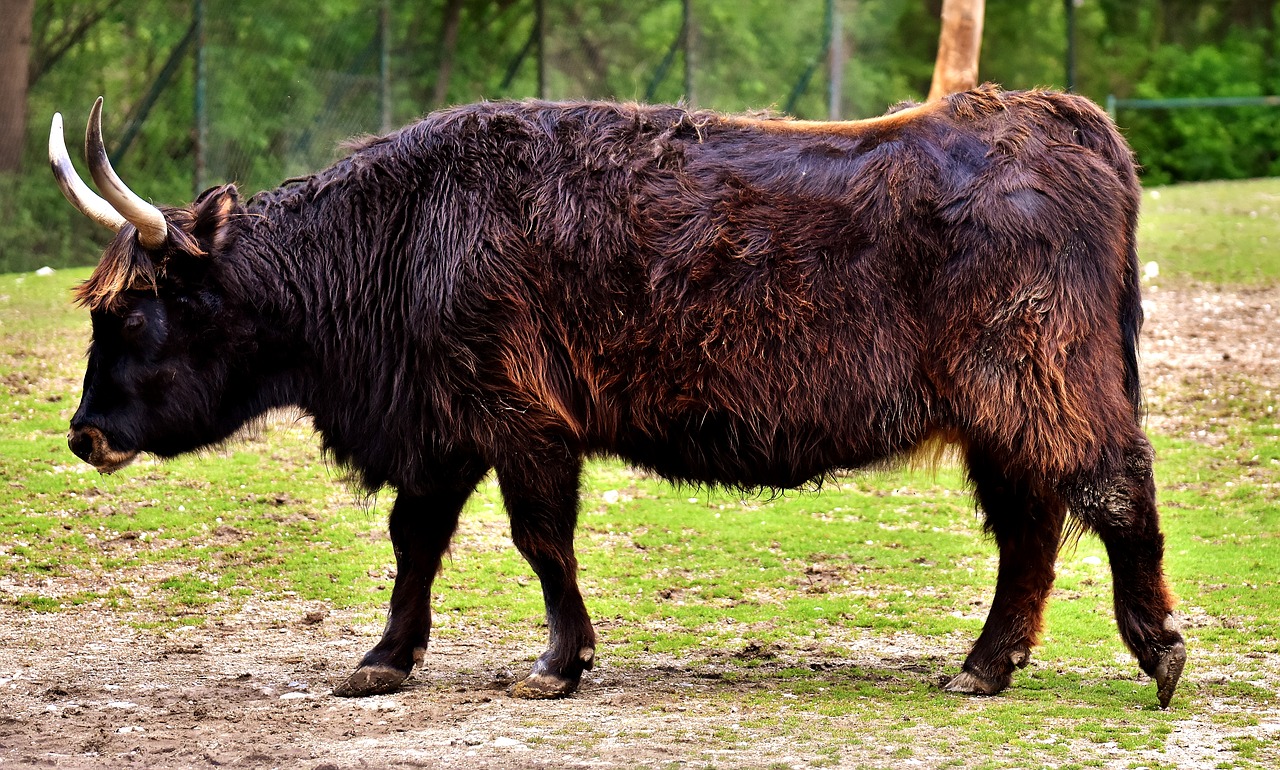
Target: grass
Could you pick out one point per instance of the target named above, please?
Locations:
(782, 602)
(1215, 232)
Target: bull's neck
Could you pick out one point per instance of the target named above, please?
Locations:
(324, 286)
(276, 279)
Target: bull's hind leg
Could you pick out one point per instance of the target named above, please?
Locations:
(1120, 505)
(1027, 528)
(421, 527)
(541, 495)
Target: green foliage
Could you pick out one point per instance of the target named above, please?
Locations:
(1156, 50)
(288, 81)
(38, 228)
(1218, 143)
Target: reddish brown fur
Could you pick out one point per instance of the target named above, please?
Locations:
(725, 300)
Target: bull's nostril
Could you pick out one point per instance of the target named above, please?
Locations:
(81, 442)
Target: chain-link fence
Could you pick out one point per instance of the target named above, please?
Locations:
(317, 81)
(201, 92)
(331, 76)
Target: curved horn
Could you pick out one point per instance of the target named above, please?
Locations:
(73, 187)
(142, 215)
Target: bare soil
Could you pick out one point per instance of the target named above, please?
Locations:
(87, 688)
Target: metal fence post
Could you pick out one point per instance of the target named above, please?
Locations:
(540, 29)
(201, 107)
(823, 54)
(384, 65)
(835, 77)
(1070, 6)
(690, 36)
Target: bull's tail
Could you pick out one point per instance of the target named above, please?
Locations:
(1131, 317)
(1106, 140)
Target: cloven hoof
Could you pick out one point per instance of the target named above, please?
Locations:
(371, 680)
(1168, 671)
(543, 687)
(969, 684)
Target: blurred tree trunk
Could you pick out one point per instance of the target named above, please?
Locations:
(959, 44)
(448, 50)
(15, 53)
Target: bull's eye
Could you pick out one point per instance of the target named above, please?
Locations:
(134, 323)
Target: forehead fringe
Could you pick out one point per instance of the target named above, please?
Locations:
(125, 266)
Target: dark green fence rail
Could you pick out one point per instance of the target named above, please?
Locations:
(1114, 104)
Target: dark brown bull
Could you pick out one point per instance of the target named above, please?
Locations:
(725, 300)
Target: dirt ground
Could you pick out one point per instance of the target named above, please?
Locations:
(87, 688)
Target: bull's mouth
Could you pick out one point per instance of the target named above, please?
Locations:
(114, 461)
(103, 457)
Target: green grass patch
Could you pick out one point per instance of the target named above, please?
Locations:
(1214, 232)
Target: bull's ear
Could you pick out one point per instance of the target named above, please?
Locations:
(212, 215)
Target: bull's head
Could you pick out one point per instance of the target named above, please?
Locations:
(159, 363)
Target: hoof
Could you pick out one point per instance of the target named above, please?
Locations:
(371, 680)
(544, 687)
(1168, 671)
(970, 684)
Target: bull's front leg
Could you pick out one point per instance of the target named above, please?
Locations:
(421, 527)
(541, 495)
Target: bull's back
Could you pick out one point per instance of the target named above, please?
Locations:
(752, 303)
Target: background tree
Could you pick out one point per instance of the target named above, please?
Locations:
(15, 53)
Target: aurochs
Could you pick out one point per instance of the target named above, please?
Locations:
(723, 300)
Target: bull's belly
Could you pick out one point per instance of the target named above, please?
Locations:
(735, 452)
